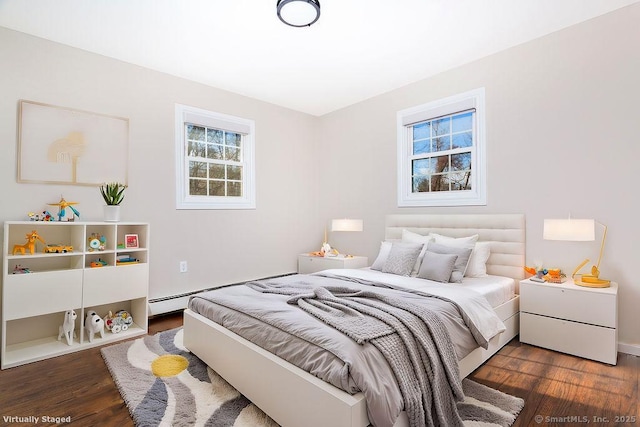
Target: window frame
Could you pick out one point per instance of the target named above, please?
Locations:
(184, 115)
(474, 99)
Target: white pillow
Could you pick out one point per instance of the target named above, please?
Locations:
(383, 254)
(466, 242)
(477, 266)
(411, 237)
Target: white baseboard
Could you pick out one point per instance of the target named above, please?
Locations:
(633, 349)
(168, 305)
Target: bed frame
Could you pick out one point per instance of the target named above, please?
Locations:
(293, 397)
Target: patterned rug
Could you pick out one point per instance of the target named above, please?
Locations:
(163, 384)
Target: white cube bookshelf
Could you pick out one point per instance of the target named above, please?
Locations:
(33, 304)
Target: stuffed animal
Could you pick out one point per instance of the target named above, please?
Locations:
(67, 329)
(93, 324)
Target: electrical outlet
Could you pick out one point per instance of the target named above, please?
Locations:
(183, 266)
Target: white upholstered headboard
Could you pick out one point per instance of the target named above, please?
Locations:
(505, 232)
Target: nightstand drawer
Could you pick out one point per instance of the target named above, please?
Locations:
(569, 302)
(592, 342)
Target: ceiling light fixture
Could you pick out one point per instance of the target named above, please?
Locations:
(298, 13)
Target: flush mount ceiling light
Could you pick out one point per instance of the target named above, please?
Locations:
(298, 13)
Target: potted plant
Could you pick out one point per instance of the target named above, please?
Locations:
(113, 195)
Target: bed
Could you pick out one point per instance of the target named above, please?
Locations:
(293, 397)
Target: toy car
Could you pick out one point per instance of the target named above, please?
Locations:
(118, 322)
(98, 263)
(57, 249)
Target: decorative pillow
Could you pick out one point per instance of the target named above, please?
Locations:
(402, 258)
(461, 262)
(437, 267)
(410, 236)
(478, 260)
(383, 254)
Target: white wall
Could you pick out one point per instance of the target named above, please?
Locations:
(220, 246)
(562, 138)
(562, 134)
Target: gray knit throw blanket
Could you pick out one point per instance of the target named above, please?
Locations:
(411, 337)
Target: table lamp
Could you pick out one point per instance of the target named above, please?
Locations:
(340, 225)
(579, 230)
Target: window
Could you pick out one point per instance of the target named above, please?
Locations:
(215, 160)
(441, 152)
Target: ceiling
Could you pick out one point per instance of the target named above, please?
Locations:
(356, 50)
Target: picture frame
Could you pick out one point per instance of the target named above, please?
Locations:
(59, 145)
(131, 241)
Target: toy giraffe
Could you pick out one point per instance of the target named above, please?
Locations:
(31, 243)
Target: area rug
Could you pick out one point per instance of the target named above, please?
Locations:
(163, 384)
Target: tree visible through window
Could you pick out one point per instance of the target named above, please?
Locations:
(215, 160)
(441, 152)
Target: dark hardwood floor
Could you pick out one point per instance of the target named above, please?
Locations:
(564, 390)
(559, 389)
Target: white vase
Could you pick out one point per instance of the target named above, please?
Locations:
(112, 213)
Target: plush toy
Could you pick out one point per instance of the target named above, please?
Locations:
(93, 324)
(67, 329)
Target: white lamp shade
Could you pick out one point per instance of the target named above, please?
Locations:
(346, 225)
(579, 230)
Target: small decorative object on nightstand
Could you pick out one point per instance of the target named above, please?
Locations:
(572, 319)
(310, 264)
(339, 225)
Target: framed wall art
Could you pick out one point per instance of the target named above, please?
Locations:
(58, 145)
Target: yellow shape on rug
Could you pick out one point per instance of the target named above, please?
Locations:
(168, 365)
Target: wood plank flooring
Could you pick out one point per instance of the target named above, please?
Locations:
(560, 389)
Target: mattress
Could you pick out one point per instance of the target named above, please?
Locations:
(331, 359)
(496, 289)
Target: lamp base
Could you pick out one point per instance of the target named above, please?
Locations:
(591, 281)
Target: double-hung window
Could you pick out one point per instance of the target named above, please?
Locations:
(214, 160)
(441, 152)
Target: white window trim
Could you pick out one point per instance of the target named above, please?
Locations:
(186, 201)
(478, 194)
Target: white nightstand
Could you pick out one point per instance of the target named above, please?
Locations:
(310, 264)
(571, 319)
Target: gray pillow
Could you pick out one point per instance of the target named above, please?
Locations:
(461, 263)
(437, 267)
(402, 258)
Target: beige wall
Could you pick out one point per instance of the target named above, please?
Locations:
(220, 246)
(562, 138)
